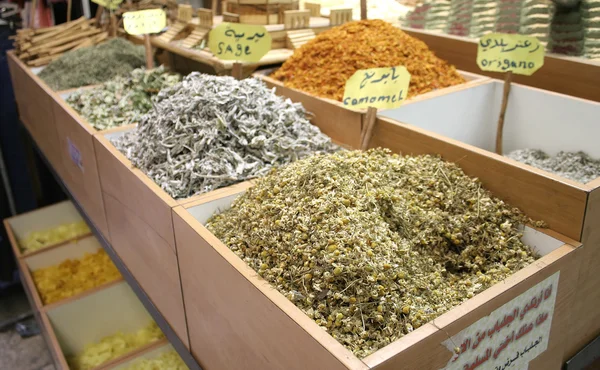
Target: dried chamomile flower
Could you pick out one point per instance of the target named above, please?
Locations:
(208, 132)
(372, 245)
(36, 240)
(72, 277)
(166, 361)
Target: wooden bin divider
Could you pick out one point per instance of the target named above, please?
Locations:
(229, 305)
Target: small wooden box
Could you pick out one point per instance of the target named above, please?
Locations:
(35, 105)
(238, 320)
(18, 227)
(73, 325)
(72, 250)
(79, 160)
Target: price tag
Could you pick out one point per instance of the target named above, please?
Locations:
(185, 12)
(240, 42)
(377, 87)
(108, 4)
(499, 52)
(144, 21)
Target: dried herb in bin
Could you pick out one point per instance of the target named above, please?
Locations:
(322, 66)
(373, 245)
(208, 132)
(93, 65)
(122, 100)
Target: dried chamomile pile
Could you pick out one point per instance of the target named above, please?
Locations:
(577, 166)
(322, 66)
(372, 245)
(36, 240)
(113, 346)
(208, 132)
(94, 64)
(166, 361)
(122, 100)
(70, 277)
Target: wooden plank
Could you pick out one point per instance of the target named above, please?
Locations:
(227, 306)
(423, 349)
(560, 204)
(151, 260)
(79, 162)
(587, 325)
(567, 75)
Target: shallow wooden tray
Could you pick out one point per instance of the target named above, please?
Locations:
(17, 227)
(35, 105)
(71, 325)
(231, 310)
(461, 127)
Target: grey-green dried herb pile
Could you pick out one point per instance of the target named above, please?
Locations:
(576, 166)
(93, 65)
(373, 245)
(208, 132)
(122, 100)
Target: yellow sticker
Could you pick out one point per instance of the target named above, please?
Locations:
(384, 88)
(184, 12)
(108, 4)
(239, 42)
(144, 21)
(500, 52)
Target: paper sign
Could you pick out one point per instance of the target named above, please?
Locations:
(75, 154)
(108, 4)
(377, 88)
(144, 21)
(499, 52)
(184, 12)
(511, 336)
(239, 42)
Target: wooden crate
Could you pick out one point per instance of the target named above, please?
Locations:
(80, 175)
(461, 126)
(567, 75)
(72, 250)
(18, 227)
(73, 325)
(35, 106)
(238, 320)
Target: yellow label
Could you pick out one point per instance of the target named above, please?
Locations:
(384, 88)
(108, 4)
(144, 21)
(184, 12)
(500, 52)
(239, 42)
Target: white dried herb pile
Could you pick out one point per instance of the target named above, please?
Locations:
(208, 132)
(122, 100)
(576, 166)
(93, 65)
(373, 245)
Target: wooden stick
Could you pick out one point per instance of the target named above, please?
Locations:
(505, 94)
(237, 71)
(32, 14)
(98, 16)
(363, 9)
(368, 130)
(69, 6)
(149, 56)
(113, 25)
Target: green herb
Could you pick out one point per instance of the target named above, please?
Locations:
(122, 100)
(373, 245)
(93, 65)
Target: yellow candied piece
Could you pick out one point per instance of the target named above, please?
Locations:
(70, 277)
(167, 361)
(113, 346)
(43, 238)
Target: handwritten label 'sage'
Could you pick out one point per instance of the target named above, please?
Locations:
(498, 52)
(144, 21)
(377, 87)
(239, 42)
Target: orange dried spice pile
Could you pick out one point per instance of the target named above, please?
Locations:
(322, 66)
(73, 276)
